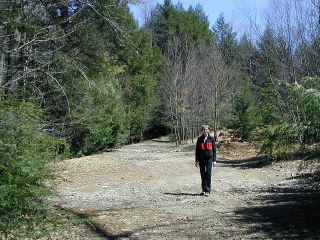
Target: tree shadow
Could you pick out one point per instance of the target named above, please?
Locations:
(263, 160)
(290, 212)
(95, 227)
(182, 194)
(253, 162)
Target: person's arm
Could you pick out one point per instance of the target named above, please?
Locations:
(214, 151)
(197, 154)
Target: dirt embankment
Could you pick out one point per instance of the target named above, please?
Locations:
(150, 190)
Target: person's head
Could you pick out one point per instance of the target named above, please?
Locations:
(205, 130)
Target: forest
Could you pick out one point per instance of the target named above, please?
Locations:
(78, 77)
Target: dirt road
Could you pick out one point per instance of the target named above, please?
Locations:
(151, 190)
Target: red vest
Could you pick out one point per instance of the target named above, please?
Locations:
(207, 146)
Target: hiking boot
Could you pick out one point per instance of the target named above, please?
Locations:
(202, 194)
(207, 194)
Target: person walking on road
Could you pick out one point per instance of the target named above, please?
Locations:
(206, 152)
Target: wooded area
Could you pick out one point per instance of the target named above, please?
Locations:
(80, 76)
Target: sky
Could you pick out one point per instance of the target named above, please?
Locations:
(235, 12)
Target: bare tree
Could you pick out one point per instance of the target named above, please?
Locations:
(215, 83)
(199, 87)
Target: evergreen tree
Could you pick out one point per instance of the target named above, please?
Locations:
(25, 151)
(169, 23)
(247, 114)
(267, 60)
(247, 53)
(226, 40)
(310, 55)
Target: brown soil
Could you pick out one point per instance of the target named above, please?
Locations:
(150, 190)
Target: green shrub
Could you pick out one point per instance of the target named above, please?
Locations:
(24, 153)
(292, 129)
(306, 110)
(276, 140)
(247, 114)
(99, 118)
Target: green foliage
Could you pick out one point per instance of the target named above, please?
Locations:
(105, 120)
(98, 118)
(276, 140)
(138, 84)
(310, 55)
(171, 24)
(306, 110)
(288, 134)
(24, 153)
(269, 106)
(311, 82)
(267, 60)
(247, 114)
(131, 48)
(226, 40)
(246, 55)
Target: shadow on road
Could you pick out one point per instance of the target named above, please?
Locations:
(94, 226)
(183, 194)
(290, 212)
(253, 162)
(262, 160)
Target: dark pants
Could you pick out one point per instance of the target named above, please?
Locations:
(206, 172)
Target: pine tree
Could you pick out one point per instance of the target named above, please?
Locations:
(226, 40)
